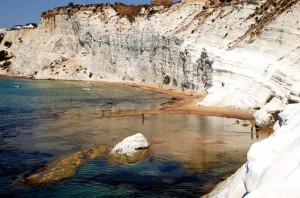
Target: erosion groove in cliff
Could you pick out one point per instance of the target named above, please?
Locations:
(263, 15)
(200, 17)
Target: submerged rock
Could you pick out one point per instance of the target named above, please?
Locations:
(130, 149)
(65, 166)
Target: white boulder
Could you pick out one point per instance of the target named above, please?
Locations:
(263, 118)
(294, 97)
(295, 89)
(131, 145)
(274, 105)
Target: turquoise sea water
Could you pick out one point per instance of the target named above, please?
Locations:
(42, 120)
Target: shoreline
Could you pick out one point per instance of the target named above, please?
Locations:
(183, 100)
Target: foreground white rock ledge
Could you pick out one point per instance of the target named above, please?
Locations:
(273, 167)
(130, 149)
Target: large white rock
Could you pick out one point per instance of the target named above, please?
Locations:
(295, 93)
(273, 168)
(295, 89)
(263, 118)
(274, 105)
(131, 145)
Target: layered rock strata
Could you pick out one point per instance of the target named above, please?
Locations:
(245, 54)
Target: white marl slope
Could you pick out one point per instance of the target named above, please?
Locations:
(272, 169)
(190, 45)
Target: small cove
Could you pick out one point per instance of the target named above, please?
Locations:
(45, 119)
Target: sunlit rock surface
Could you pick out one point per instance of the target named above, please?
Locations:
(130, 149)
(263, 118)
(273, 167)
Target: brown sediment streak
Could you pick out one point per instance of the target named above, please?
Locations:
(128, 11)
(264, 15)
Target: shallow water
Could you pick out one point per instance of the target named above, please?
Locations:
(45, 119)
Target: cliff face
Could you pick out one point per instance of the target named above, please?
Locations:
(251, 48)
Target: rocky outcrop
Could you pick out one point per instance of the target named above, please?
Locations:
(272, 169)
(162, 2)
(131, 149)
(65, 166)
(241, 52)
(295, 93)
(263, 118)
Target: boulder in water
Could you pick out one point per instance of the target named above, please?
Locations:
(130, 149)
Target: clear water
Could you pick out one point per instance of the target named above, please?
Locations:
(45, 119)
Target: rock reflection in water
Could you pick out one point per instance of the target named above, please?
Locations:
(200, 143)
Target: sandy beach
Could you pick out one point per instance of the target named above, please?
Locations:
(183, 102)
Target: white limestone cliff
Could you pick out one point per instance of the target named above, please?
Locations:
(251, 48)
(273, 167)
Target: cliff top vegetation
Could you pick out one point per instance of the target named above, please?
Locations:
(129, 11)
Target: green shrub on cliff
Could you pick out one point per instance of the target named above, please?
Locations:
(1, 37)
(6, 65)
(7, 44)
(167, 80)
(3, 55)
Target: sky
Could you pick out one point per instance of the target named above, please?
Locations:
(20, 12)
